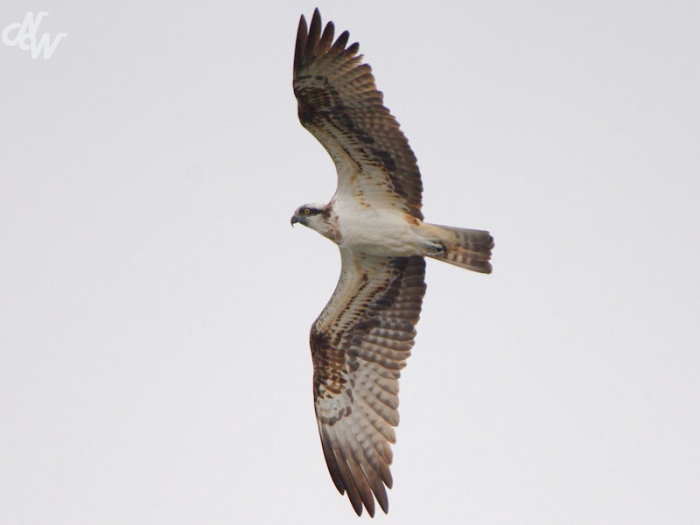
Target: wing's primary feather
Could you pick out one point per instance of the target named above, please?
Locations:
(359, 344)
(340, 105)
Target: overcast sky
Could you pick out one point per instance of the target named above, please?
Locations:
(155, 302)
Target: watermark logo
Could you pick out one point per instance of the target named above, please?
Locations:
(27, 31)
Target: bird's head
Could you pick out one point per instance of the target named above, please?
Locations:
(314, 216)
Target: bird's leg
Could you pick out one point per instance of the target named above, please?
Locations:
(434, 247)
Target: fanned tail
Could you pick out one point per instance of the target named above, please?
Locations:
(470, 249)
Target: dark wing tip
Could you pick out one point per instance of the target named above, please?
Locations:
(308, 38)
(342, 42)
(313, 42)
(316, 18)
(302, 36)
(314, 34)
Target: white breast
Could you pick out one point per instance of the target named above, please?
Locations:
(381, 232)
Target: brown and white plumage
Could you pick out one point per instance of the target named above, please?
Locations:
(340, 105)
(361, 340)
(359, 344)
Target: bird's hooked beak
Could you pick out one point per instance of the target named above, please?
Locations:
(295, 219)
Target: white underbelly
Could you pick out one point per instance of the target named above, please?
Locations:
(380, 232)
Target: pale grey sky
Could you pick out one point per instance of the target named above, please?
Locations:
(155, 303)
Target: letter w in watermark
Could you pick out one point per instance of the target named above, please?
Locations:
(27, 31)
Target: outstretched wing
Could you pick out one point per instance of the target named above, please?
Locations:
(359, 344)
(340, 105)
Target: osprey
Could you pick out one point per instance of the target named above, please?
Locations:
(361, 340)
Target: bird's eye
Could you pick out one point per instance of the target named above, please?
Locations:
(307, 211)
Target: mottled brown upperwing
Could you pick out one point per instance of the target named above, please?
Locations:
(340, 105)
(359, 345)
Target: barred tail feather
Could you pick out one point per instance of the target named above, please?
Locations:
(470, 249)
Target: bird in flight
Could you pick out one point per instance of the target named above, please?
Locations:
(364, 335)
